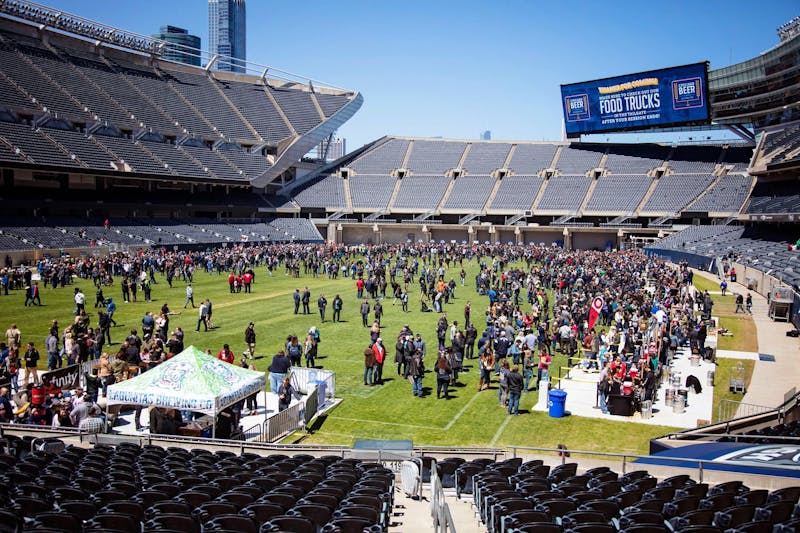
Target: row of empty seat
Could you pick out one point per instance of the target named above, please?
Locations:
(564, 193)
(764, 249)
(70, 79)
(72, 148)
(437, 157)
(76, 233)
(132, 488)
(511, 496)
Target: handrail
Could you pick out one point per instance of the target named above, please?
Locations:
(702, 464)
(440, 511)
(735, 436)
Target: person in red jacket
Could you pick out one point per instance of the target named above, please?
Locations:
(360, 288)
(231, 284)
(247, 280)
(226, 354)
(380, 356)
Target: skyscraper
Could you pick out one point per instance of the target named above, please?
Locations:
(486, 135)
(227, 33)
(178, 36)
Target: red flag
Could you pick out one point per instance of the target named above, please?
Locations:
(594, 311)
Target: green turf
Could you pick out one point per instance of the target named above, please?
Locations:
(390, 411)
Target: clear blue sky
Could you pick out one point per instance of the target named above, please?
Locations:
(456, 68)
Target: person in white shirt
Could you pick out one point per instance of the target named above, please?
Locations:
(80, 300)
(189, 296)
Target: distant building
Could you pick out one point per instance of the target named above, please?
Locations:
(181, 39)
(486, 135)
(227, 33)
(336, 148)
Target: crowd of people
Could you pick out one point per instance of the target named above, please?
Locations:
(536, 297)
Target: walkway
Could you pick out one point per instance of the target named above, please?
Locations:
(771, 379)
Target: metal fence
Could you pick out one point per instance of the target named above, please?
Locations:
(728, 409)
(281, 424)
(440, 511)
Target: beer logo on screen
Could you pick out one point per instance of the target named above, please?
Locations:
(687, 93)
(577, 107)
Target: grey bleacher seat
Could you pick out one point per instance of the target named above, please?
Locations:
(381, 159)
(485, 157)
(199, 90)
(564, 193)
(328, 192)
(470, 193)
(298, 108)
(371, 191)
(10, 153)
(133, 154)
(115, 85)
(157, 90)
(674, 192)
(252, 101)
(13, 97)
(35, 145)
(35, 84)
(578, 161)
(46, 237)
(301, 228)
(618, 193)
(729, 194)
(177, 161)
(69, 78)
(775, 197)
(694, 159)
(330, 103)
(252, 164)
(532, 158)
(9, 242)
(626, 164)
(211, 160)
(419, 192)
(516, 193)
(84, 148)
(435, 157)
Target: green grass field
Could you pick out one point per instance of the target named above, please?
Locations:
(387, 412)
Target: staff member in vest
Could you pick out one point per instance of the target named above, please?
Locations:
(278, 370)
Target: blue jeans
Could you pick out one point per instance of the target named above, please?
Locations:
(528, 375)
(368, 375)
(603, 404)
(416, 386)
(53, 361)
(275, 380)
(513, 402)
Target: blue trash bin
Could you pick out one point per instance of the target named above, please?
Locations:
(557, 399)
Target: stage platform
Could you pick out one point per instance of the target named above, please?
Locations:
(581, 389)
(267, 406)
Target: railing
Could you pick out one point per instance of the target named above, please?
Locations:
(700, 465)
(440, 511)
(733, 437)
(312, 403)
(728, 409)
(283, 423)
(254, 432)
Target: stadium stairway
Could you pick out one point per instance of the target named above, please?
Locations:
(771, 379)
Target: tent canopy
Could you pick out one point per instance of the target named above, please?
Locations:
(192, 380)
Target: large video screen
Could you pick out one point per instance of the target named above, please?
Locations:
(666, 97)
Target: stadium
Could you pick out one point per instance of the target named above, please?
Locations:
(133, 177)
